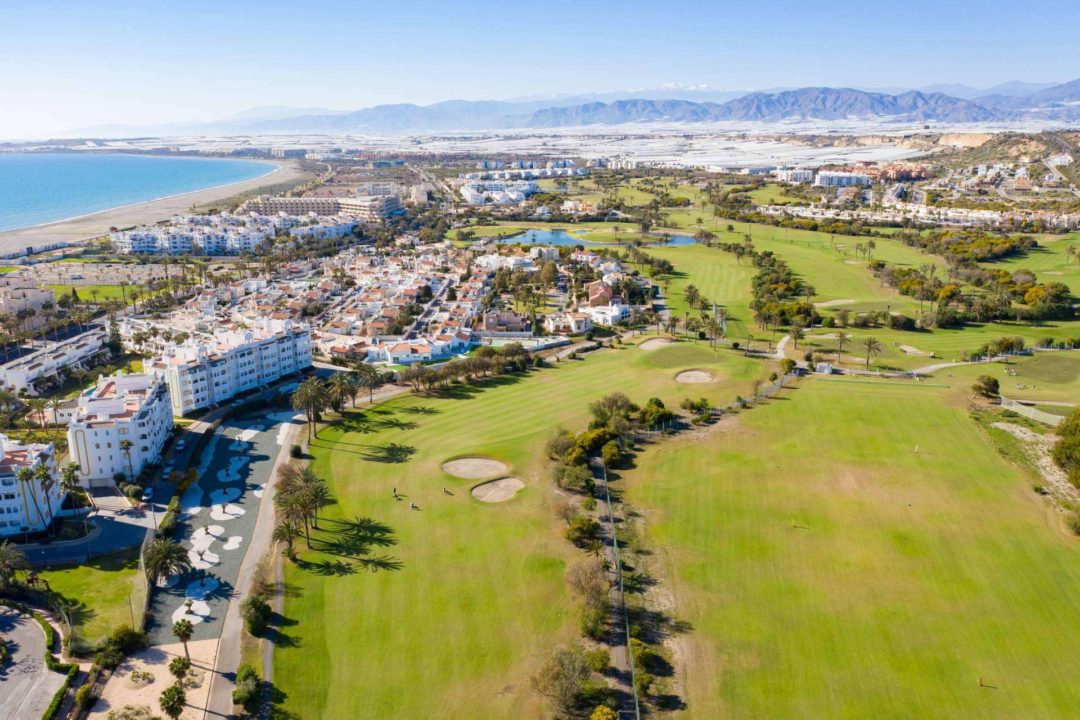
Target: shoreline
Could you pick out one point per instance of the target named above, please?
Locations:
(146, 212)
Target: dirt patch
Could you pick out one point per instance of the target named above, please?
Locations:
(911, 350)
(853, 262)
(1052, 272)
(830, 303)
(694, 377)
(655, 343)
(474, 468)
(497, 491)
(1040, 448)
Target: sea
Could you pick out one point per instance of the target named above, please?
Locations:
(41, 188)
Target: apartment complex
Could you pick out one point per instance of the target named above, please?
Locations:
(827, 178)
(209, 370)
(23, 374)
(27, 507)
(367, 208)
(18, 295)
(119, 408)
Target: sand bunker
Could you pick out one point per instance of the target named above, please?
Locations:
(474, 468)
(831, 303)
(655, 343)
(910, 350)
(499, 490)
(694, 377)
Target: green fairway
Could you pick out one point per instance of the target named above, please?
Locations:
(828, 570)
(479, 597)
(1049, 261)
(100, 591)
(87, 292)
(1050, 376)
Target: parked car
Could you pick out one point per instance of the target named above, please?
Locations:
(148, 495)
(180, 444)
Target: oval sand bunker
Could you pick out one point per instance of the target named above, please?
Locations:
(694, 377)
(474, 468)
(655, 343)
(499, 490)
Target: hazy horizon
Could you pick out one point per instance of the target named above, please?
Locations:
(74, 66)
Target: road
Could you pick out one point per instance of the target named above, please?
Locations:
(26, 685)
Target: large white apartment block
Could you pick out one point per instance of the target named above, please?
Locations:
(206, 371)
(368, 208)
(827, 178)
(119, 408)
(18, 294)
(21, 374)
(795, 175)
(26, 507)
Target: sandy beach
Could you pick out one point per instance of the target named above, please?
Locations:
(151, 211)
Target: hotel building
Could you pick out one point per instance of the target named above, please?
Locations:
(206, 371)
(122, 407)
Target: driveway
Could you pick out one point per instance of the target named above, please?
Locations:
(26, 685)
(117, 526)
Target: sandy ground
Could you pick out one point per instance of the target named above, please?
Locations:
(694, 377)
(910, 350)
(474, 468)
(497, 490)
(1040, 449)
(120, 691)
(152, 211)
(655, 343)
(831, 303)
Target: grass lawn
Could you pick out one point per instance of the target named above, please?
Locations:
(1051, 376)
(100, 590)
(86, 292)
(479, 599)
(1048, 261)
(827, 570)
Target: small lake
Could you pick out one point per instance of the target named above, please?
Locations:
(561, 237)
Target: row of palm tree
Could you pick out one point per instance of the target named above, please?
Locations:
(301, 494)
(313, 395)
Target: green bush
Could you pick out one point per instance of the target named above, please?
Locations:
(84, 696)
(246, 693)
(128, 640)
(582, 530)
(256, 613)
(599, 659)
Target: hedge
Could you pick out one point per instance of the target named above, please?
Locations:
(70, 669)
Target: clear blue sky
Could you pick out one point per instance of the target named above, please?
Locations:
(73, 64)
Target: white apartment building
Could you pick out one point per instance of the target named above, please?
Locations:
(118, 408)
(22, 373)
(207, 371)
(828, 178)
(26, 507)
(17, 294)
(368, 208)
(795, 175)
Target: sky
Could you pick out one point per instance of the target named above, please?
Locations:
(67, 65)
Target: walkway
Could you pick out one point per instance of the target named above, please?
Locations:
(26, 685)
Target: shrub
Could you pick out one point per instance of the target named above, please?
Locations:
(589, 504)
(611, 453)
(599, 659)
(246, 693)
(987, 386)
(128, 640)
(1073, 521)
(583, 530)
(256, 613)
(133, 491)
(296, 452)
(576, 456)
(559, 444)
(84, 696)
(592, 621)
(643, 683)
(735, 345)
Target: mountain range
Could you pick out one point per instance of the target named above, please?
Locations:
(1005, 102)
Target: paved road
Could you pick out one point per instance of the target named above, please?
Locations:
(26, 685)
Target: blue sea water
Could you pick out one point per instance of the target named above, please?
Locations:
(46, 187)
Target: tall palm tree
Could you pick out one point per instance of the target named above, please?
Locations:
(26, 477)
(125, 447)
(294, 510)
(165, 557)
(37, 409)
(872, 347)
(341, 389)
(183, 630)
(311, 397)
(11, 559)
(841, 338)
(53, 404)
(371, 378)
(69, 483)
(46, 481)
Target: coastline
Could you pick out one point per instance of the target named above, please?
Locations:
(91, 225)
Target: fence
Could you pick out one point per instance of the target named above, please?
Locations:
(1031, 412)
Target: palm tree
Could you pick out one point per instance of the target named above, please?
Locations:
(125, 447)
(872, 347)
(285, 532)
(340, 389)
(173, 698)
(44, 475)
(183, 630)
(26, 477)
(797, 334)
(37, 409)
(371, 378)
(69, 483)
(312, 397)
(841, 338)
(11, 559)
(292, 509)
(165, 557)
(53, 404)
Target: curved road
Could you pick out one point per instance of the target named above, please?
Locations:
(26, 685)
